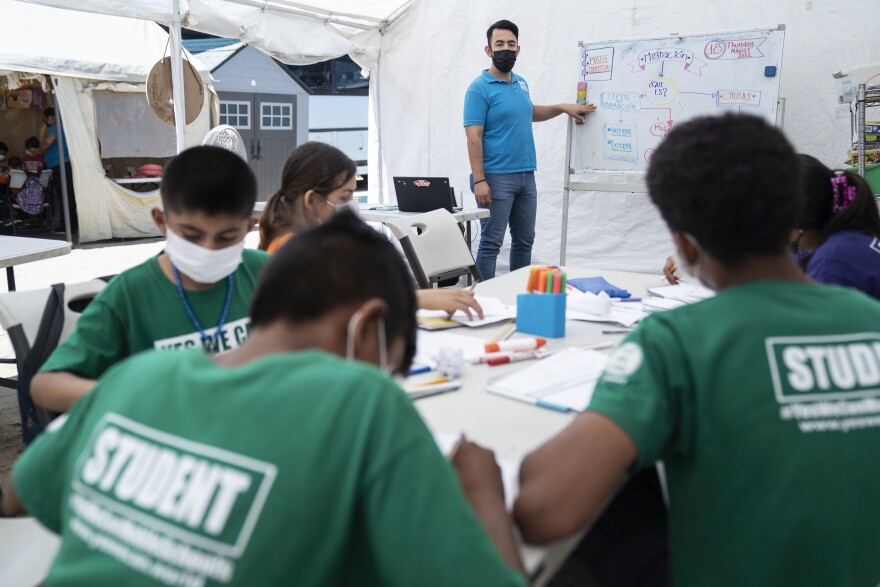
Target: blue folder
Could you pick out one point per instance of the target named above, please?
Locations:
(596, 285)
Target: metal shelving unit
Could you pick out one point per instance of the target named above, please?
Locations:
(864, 99)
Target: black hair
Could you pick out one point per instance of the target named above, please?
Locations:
(504, 25)
(820, 196)
(340, 262)
(210, 180)
(731, 181)
(3, 147)
(32, 143)
(15, 162)
(48, 112)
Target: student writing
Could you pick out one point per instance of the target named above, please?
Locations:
(291, 460)
(317, 181)
(194, 294)
(761, 401)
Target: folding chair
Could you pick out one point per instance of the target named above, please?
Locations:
(434, 246)
(32, 324)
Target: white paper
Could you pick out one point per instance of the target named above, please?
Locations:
(661, 304)
(570, 368)
(625, 314)
(683, 292)
(493, 311)
(428, 345)
(588, 302)
(509, 467)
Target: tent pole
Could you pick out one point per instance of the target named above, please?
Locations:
(380, 168)
(177, 76)
(62, 167)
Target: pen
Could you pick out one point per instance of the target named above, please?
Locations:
(454, 450)
(419, 370)
(516, 344)
(431, 382)
(618, 331)
(629, 299)
(428, 390)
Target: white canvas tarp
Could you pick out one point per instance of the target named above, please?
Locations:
(82, 53)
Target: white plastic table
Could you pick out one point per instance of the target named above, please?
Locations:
(17, 250)
(510, 428)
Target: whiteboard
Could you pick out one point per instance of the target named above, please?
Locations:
(642, 88)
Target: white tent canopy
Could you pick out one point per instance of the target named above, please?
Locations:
(86, 53)
(291, 32)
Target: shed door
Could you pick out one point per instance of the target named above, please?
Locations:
(275, 122)
(267, 123)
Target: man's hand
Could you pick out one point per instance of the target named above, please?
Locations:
(449, 300)
(483, 194)
(578, 111)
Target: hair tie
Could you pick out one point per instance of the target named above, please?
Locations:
(844, 192)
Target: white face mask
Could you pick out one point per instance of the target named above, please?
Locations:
(198, 263)
(352, 205)
(380, 335)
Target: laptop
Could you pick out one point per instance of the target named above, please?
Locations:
(424, 194)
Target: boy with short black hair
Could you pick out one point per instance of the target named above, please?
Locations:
(291, 460)
(195, 293)
(33, 161)
(763, 402)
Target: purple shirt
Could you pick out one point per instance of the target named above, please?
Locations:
(850, 258)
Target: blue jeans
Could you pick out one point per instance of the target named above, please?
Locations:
(514, 202)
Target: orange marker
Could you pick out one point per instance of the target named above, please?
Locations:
(542, 281)
(533, 280)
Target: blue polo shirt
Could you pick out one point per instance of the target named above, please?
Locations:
(850, 258)
(51, 154)
(504, 110)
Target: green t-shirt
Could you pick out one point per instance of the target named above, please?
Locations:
(764, 404)
(295, 469)
(141, 309)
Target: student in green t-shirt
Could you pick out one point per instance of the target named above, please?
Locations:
(291, 460)
(762, 402)
(195, 293)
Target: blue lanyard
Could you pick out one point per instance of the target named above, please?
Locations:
(192, 315)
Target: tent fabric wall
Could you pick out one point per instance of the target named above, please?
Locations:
(105, 209)
(435, 50)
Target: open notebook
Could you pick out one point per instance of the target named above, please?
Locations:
(564, 381)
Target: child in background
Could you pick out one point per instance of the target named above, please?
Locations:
(762, 402)
(33, 161)
(324, 473)
(317, 180)
(838, 233)
(195, 293)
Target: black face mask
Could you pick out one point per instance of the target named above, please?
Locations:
(504, 60)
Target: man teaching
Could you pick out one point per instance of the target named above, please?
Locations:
(498, 117)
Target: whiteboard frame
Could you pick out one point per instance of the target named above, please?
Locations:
(637, 185)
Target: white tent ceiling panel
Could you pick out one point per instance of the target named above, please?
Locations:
(34, 39)
(292, 32)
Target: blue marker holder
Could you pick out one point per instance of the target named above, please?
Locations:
(541, 314)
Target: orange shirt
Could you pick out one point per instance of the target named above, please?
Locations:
(278, 241)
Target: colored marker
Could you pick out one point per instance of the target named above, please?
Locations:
(550, 276)
(557, 282)
(516, 344)
(419, 370)
(513, 358)
(542, 280)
